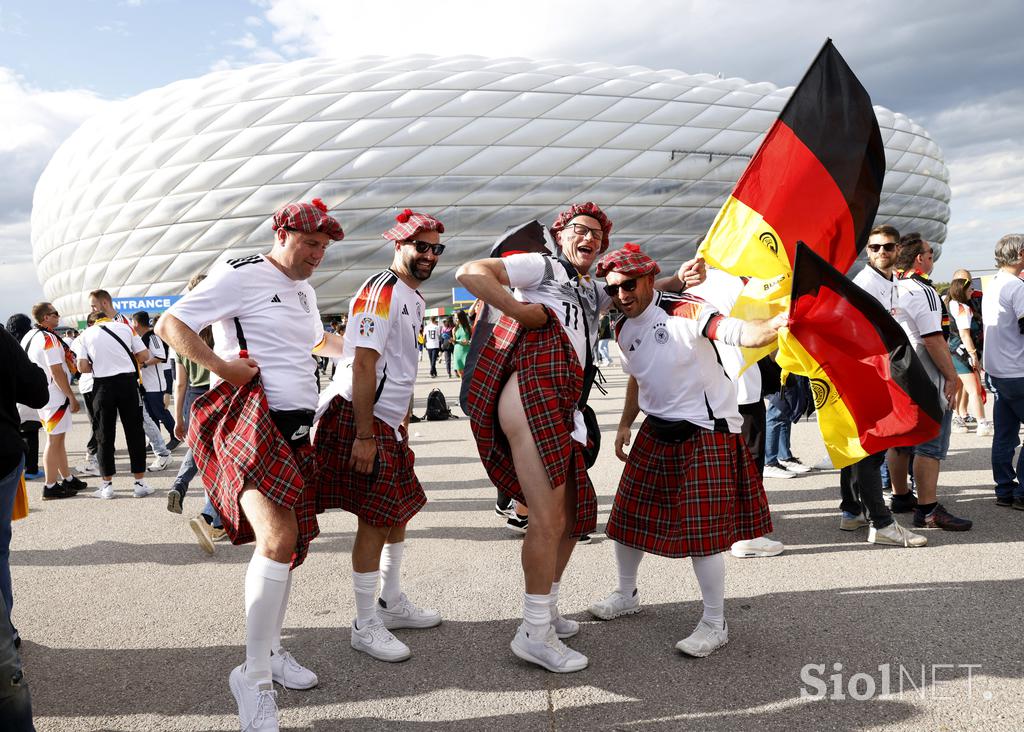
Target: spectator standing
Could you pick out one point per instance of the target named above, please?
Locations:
(432, 342)
(462, 335)
(604, 340)
(154, 378)
(964, 347)
(18, 325)
(1003, 314)
(91, 466)
(784, 408)
(47, 350)
(26, 383)
(447, 346)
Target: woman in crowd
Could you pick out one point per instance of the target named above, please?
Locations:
(448, 344)
(965, 348)
(462, 334)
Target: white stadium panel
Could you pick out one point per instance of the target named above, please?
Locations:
(164, 184)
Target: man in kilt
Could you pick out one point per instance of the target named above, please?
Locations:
(250, 433)
(690, 487)
(364, 462)
(524, 409)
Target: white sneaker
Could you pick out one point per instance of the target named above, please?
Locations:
(289, 673)
(257, 705)
(985, 429)
(564, 628)
(852, 524)
(959, 426)
(762, 546)
(90, 468)
(549, 652)
(160, 463)
(704, 640)
(203, 533)
(794, 465)
(142, 489)
(777, 471)
(105, 491)
(616, 605)
(376, 640)
(825, 464)
(404, 614)
(895, 535)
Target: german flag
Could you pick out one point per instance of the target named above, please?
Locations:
(869, 387)
(817, 178)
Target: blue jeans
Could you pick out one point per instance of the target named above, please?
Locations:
(154, 401)
(777, 435)
(188, 469)
(1007, 416)
(8, 490)
(15, 700)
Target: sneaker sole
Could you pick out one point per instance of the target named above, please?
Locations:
(143, 495)
(899, 545)
(526, 656)
(516, 529)
(854, 527)
(204, 541)
(387, 659)
(174, 502)
(403, 623)
(279, 682)
(693, 654)
(618, 614)
(756, 553)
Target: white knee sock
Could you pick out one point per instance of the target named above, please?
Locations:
(537, 614)
(275, 645)
(391, 572)
(266, 583)
(553, 600)
(710, 573)
(628, 560)
(365, 586)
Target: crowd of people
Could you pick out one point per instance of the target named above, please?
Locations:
(233, 370)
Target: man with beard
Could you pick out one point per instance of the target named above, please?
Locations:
(361, 442)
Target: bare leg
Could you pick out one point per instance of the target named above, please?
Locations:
(548, 505)
(898, 465)
(276, 529)
(926, 474)
(567, 543)
(54, 457)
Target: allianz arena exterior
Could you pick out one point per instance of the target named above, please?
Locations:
(157, 189)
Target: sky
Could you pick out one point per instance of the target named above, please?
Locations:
(954, 67)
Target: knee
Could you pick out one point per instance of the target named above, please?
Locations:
(549, 524)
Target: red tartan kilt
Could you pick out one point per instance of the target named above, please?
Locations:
(693, 498)
(390, 498)
(235, 442)
(550, 384)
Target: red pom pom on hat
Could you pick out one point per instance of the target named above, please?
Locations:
(319, 204)
(403, 218)
(631, 247)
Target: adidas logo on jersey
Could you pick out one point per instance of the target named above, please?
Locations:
(275, 298)
(405, 310)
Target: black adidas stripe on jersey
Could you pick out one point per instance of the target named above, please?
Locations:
(242, 261)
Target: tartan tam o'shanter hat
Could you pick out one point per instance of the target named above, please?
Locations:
(409, 223)
(628, 261)
(308, 218)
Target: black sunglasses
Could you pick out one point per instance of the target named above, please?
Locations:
(422, 247)
(889, 247)
(627, 285)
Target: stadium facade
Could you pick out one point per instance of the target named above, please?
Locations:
(162, 185)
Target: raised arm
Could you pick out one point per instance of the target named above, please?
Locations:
(487, 279)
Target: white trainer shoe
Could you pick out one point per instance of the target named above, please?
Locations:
(376, 640)
(105, 491)
(895, 535)
(704, 640)
(548, 652)
(90, 468)
(404, 614)
(985, 429)
(160, 463)
(289, 673)
(564, 628)
(143, 489)
(853, 523)
(794, 465)
(616, 605)
(777, 471)
(762, 546)
(257, 705)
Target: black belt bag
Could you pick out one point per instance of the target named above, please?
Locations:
(294, 424)
(667, 430)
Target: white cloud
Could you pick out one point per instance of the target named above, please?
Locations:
(34, 123)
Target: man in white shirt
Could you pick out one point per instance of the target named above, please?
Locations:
(47, 350)
(250, 432)
(365, 465)
(690, 487)
(921, 314)
(1002, 310)
(432, 342)
(109, 351)
(860, 484)
(154, 375)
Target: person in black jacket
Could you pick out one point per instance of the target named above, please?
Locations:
(20, 381)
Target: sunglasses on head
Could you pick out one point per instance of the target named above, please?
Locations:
(627, 285)
(422, 247)
(889, 247)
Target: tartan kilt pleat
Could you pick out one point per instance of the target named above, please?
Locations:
(391, 497)
(234, 441)
(693, 498)
(550, 385)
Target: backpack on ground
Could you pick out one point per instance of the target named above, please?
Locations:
(437, 407)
